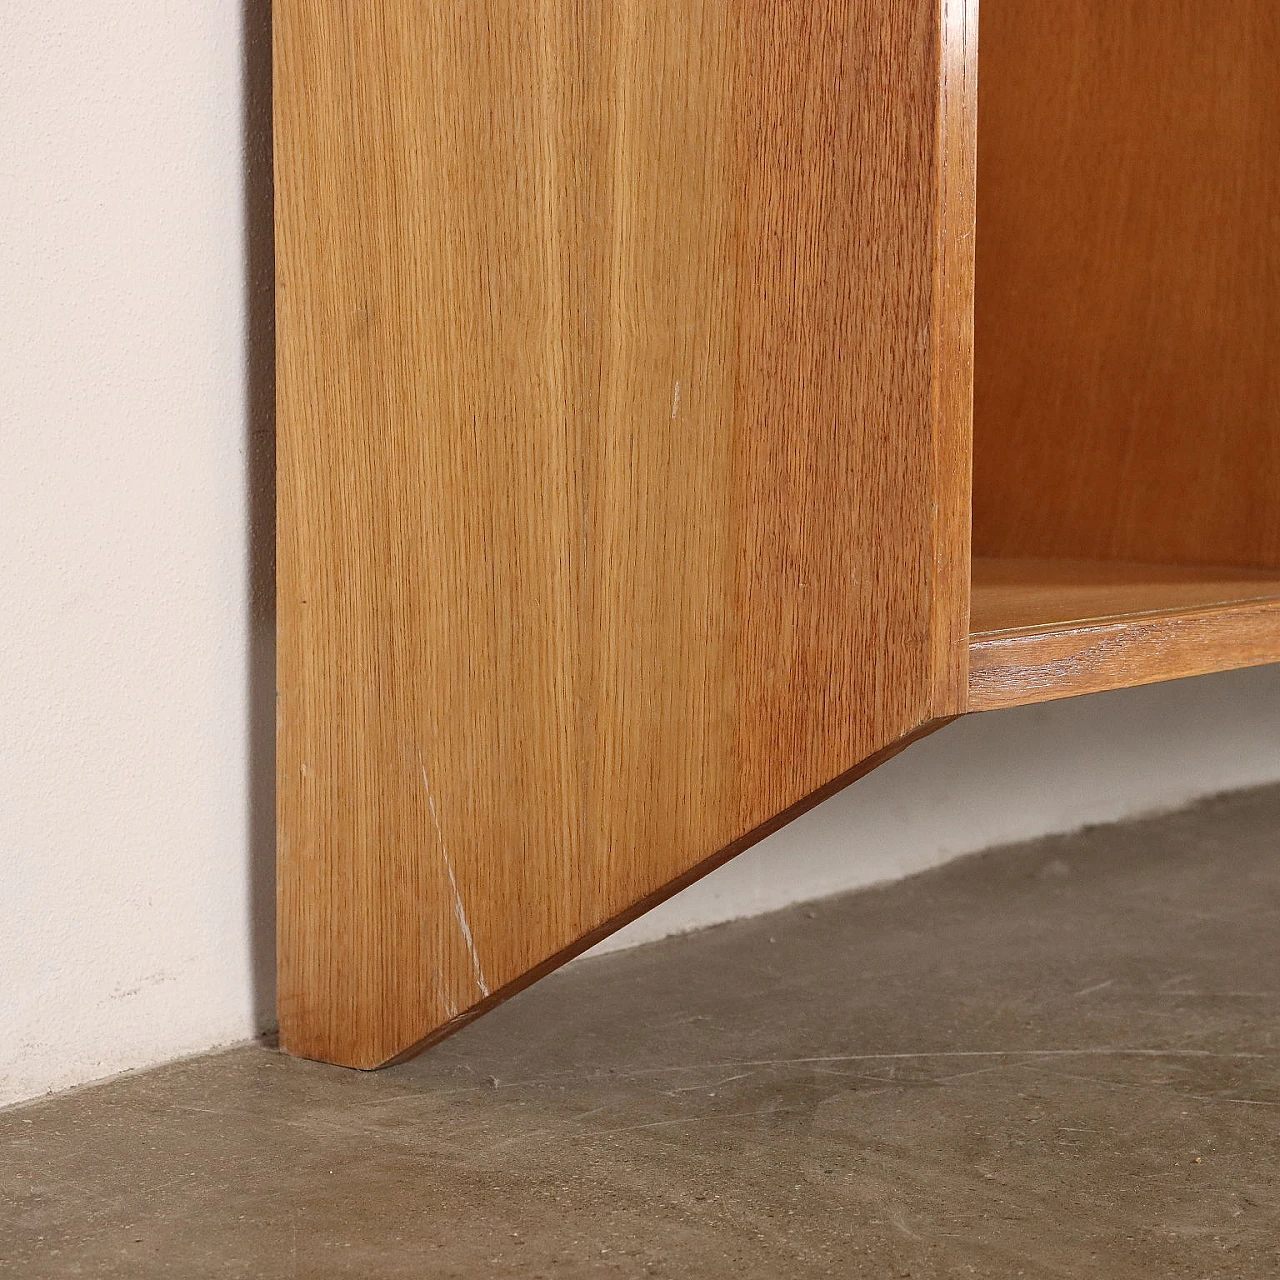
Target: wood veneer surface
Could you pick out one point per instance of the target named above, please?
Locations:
(1054, 629)
(1014, 594)
(1127, 397)
(623, 381)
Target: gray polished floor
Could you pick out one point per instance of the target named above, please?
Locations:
(1057, 1059)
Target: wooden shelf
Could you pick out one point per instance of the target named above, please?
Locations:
(1045, 629)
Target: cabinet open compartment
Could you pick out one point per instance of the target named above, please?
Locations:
(1126, 506)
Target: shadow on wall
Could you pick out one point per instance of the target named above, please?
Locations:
(260, 478)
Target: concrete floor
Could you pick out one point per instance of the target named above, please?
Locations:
(1057, 1059)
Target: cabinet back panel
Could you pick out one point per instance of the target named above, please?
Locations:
(1127, 397)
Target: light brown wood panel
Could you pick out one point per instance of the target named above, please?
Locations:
(1039, 595)
(622, 386)
(1127, 398)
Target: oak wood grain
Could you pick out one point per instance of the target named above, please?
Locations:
(1020, 668)
(1046, 629)
(623, 401)
(1128, 281)
(1013, 595)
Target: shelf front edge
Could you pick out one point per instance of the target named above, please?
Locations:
(1018, 669)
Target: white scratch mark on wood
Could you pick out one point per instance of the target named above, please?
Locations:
(675, 400)
(459, 911)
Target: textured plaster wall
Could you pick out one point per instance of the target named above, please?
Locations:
(134, 373)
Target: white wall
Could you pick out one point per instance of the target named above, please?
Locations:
(125, 807)
(135, 709)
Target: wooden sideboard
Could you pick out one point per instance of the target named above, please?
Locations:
(683, 405)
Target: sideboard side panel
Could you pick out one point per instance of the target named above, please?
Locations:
(620, 405)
